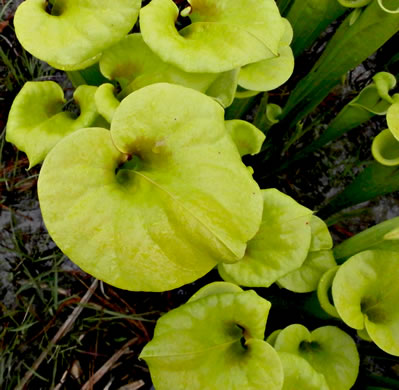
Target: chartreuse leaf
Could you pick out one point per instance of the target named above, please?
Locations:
(246, 136)
(385, 148)
(242, 93)
(271, 339)
(273, 111)
(106, 101)
(324, 292)
(321, 237)
(224, 88)
(329, 350)
(318, 261)
(299, 374)
(362, 333)
(214, 342)
(368, 100)
(267, 115)
(215, 288)
(36, 121)
(366, 292)
(270, 73)
(158, 221)
(179, 129)
(130, 59)
(76, 32)
(375, 97)
(280, 246)
(393, 117)
(223, 35)
(306, 278)
(385, 81)
(132, 63)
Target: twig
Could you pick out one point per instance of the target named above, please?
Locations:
(65, 328)
(108, 365)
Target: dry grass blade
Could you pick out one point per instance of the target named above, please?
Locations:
(133, 386)
(61, 332)
(108, 365)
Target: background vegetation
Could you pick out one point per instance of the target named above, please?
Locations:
(60, 329)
